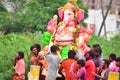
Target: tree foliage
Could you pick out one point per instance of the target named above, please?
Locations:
(108, 46)
(4, 16)
(11, 43)
(33, 16)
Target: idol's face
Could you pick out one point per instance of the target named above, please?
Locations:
(68, 15)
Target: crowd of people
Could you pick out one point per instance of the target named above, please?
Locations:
(92, 67)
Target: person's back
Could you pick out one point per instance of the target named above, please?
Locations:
(53, 61)
(67, 65)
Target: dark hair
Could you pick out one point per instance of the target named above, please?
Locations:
(113, 56)
(81, 62)
(53, 48)
(91, 54)
(21, 54)
(97, 48)
(38, 47)
(31, 48)
(117, 59)
(106, 62)
(71, 54)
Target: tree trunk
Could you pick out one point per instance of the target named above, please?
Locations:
(108, 8)
(93, 2)
(101, 1)
(88, 1)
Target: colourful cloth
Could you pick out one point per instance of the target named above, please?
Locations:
(81, 74)
(64, 52)
(67, 65)
(113, 67)
(34, 72)
(90, 67)
(20, 70)
(113, 76)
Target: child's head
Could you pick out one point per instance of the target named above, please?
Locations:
(20, 55)
(112, 57)
(54, 49)
(81, 63)
(105, 63)
(71, 54)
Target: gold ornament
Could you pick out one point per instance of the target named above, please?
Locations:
(70, 6)
(74, 48)
(79, 26)
(75, 30)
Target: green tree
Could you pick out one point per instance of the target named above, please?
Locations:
(9, 20)
(33, 16)
(3, 16)
(39, 12)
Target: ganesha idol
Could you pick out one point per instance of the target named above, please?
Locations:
(67, 33)
(64, 34)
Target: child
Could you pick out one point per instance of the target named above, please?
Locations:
(19, 66)
(113, 67)
(81, 73)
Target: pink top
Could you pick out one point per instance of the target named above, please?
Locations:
(113, 67)
(20, 68)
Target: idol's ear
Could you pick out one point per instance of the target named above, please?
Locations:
(80, 15)
(60, 13)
